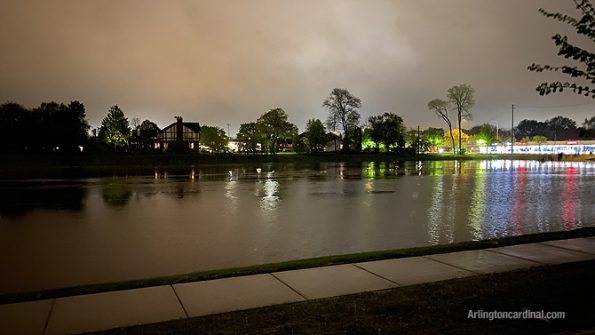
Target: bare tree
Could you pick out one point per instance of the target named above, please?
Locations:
(342, 107)
(441, 107)
(135, 123)
(461, 100)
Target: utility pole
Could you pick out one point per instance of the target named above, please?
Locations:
(512, 132)
(229, 124)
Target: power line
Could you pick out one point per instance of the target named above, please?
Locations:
(562, 106)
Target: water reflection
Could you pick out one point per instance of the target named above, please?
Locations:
(373, 170)
(230, 216)
(518, 210)
(435, 214)
(19, 198)
(497, 214)
(478, 204)
(267, 191)
(116, 192)
(230, 190)
(568, 198)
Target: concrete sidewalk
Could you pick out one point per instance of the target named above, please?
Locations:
(102, 311)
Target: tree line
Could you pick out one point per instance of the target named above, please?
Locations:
(50, 127)
(63, 127)
(555, 129)
(342, 130)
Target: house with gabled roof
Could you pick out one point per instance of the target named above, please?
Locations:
(179, 136)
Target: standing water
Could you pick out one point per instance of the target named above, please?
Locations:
(59, 233)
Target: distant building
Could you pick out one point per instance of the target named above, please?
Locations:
(233, 145)
(568, 147)
(179, 136)
(334, 142)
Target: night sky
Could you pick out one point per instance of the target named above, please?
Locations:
(219, 62)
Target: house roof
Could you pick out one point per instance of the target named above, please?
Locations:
(194, 126)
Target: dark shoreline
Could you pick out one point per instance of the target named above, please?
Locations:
(104, 164)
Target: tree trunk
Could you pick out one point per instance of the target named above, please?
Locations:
(460, 136)
(454, 152)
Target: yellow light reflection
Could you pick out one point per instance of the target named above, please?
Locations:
(478, 204)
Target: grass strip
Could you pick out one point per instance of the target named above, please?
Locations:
(432, 308)
(293, 265)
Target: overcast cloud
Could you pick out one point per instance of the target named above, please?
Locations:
(219, 62)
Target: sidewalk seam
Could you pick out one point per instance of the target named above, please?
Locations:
(451, 265)
(47, 321)
(519, 257)
(291, 288)
(567, 249)
(180, 301)
(377, 275)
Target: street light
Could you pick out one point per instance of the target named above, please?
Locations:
(497, 138)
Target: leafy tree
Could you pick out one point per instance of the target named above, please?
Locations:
(315, 135)
(342, 107)
(61, 126)
(13, 130)
(48, 114)
(214, 138)
(148, 129)
(144, 134)
(441, 107)
(530, 128)
(487, 134)
(459, 136)
(73, 125)
(274, 128)
(434, 137)
(52, 126)
(367, 142)
(249, 136)
(115, 130)
(387, 129)
(554, 128)
(584, 26)
(300, 143)
(587, 131)
(354, 138)
(462, 100)
(411, 139)
(78, 110)
(562, 126)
